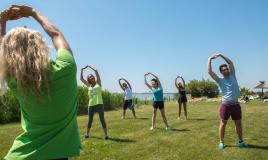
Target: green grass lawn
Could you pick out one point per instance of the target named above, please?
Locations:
(196, 138)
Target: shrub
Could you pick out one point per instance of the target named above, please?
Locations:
(199, 88)
(10, 108)
(82, 100)
(112, 101)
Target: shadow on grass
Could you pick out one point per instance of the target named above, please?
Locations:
(257, 147)
(196, 119)
(143, 118)
(179, 130)
(116, 139)
(138, 118)
(250, 146)
(174, 129)
(121, 140)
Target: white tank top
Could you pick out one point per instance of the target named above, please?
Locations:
(128, 94)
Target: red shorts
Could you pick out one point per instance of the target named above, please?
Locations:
(233, 110)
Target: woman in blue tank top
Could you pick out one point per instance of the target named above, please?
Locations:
(158, 99)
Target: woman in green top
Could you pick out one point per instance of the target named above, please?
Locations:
(95, 103)
(158, 99)
(46, 89)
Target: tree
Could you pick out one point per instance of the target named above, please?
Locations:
(244, 91)
(198, 88)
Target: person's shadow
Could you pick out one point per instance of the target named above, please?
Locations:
(257, 147)
(123, 140)
(142, 118)
(196, 119)
(179, 130)
(251, 146)
(175, 129)
(139, 118)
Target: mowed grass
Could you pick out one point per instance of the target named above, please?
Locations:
(196, 138)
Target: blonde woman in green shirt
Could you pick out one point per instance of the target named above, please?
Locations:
(95, 104)
(46, 89)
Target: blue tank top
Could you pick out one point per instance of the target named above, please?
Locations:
(158, 94)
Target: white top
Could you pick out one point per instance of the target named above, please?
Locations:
(229, 88)
(128, 94)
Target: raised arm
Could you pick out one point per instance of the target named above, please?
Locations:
(230, 63)
(159, 83)
(210, 72)
(98, 79)
(54, 33)
(176, 82)
(82, 77)
(146, 83)
(183, 82)
(5, 16)
(119, 81)
(3, 21)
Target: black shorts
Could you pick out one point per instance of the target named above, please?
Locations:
(158, 104)
(127, 103)
(182, 99)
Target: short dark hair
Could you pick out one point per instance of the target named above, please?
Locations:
(155, 80)
(223, 65)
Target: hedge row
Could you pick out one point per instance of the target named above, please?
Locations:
(10, 109)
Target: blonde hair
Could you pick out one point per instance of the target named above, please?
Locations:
(24, 57)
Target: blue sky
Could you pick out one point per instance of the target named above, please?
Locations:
(126, 38)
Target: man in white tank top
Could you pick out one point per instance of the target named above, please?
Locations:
(128, 92)
(126, 87)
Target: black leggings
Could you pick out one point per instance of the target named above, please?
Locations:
(92, 110)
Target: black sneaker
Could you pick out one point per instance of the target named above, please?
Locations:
(86, 136)
(106, 137)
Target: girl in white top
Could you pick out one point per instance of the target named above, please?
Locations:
(126, 87)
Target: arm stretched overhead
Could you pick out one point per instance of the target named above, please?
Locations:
(146, 83)
(82, 77)
(210, 72)
(54, 33)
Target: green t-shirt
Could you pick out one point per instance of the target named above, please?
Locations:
(50, 124)
(95, 95)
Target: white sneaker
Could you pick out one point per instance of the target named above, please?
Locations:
(152, 128)
(168, 129)
(221, 145)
